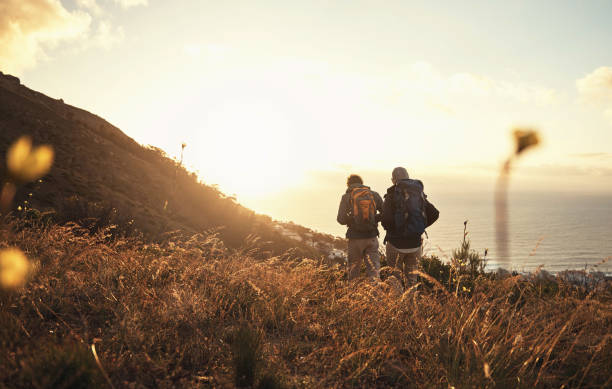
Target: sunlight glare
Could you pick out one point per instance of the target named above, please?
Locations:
(246, 150)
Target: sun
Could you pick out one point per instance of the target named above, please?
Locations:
(246, 150)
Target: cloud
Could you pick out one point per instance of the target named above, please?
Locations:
(596, 86)
(592, 155)
(596, 89)
(90, 5)
(424, 78)
(552, 170)
(428, 92)
(131, 3)
(106, 35)
(27, 27)
(31, 29)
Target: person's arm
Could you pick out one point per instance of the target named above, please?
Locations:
(379, 206)
(343, 216)
(431, 212)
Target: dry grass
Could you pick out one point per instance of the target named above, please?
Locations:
(194, 314)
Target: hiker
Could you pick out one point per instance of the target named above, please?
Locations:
(360, 209)
(406, 214)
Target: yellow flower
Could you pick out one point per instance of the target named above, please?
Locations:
(27, 164)
(524, 139)
(487, 370)
(14, 268)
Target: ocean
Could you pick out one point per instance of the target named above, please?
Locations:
(558, 231)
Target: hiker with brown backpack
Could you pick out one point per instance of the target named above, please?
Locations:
(360, 209)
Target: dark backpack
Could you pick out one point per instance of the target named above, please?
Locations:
(409, 200)
(363, 209)
(431, 213)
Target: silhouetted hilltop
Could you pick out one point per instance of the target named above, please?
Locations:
(102, 177)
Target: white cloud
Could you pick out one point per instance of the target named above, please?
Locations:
(90, 5)
(27, 27)
(592, 155)
(31, 29)
(106, 35)
(131, 3)
(425, 78)
(596, 86)
(596, 89)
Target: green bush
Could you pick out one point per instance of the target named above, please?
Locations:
(460, 275)
(434, 267)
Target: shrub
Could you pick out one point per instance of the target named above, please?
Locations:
(246, 349)
(69, 366)
(461, 274)
(270, 381)
(434, 267)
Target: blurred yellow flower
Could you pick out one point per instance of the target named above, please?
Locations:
(487, 370)
(27, 164)
(14, 268)
(524, 139)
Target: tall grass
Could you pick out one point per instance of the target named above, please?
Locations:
(193, 313)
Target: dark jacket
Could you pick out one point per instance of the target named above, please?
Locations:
(345, 218)
(388, 222)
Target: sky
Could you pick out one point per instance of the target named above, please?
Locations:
(279, 101)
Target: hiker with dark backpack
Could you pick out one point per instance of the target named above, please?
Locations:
(406, 214)
(360, 209)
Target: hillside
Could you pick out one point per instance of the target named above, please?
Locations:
(101, 177)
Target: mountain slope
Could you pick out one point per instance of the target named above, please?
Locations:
(102, 176)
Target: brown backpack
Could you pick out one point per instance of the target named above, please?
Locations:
(363, 209)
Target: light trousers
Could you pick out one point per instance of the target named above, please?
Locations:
(406, 262)
(360, 251)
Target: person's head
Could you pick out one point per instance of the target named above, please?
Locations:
(399, 173)
(354, 179)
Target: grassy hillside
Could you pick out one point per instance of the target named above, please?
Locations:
(101, 176)
(193, 313)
